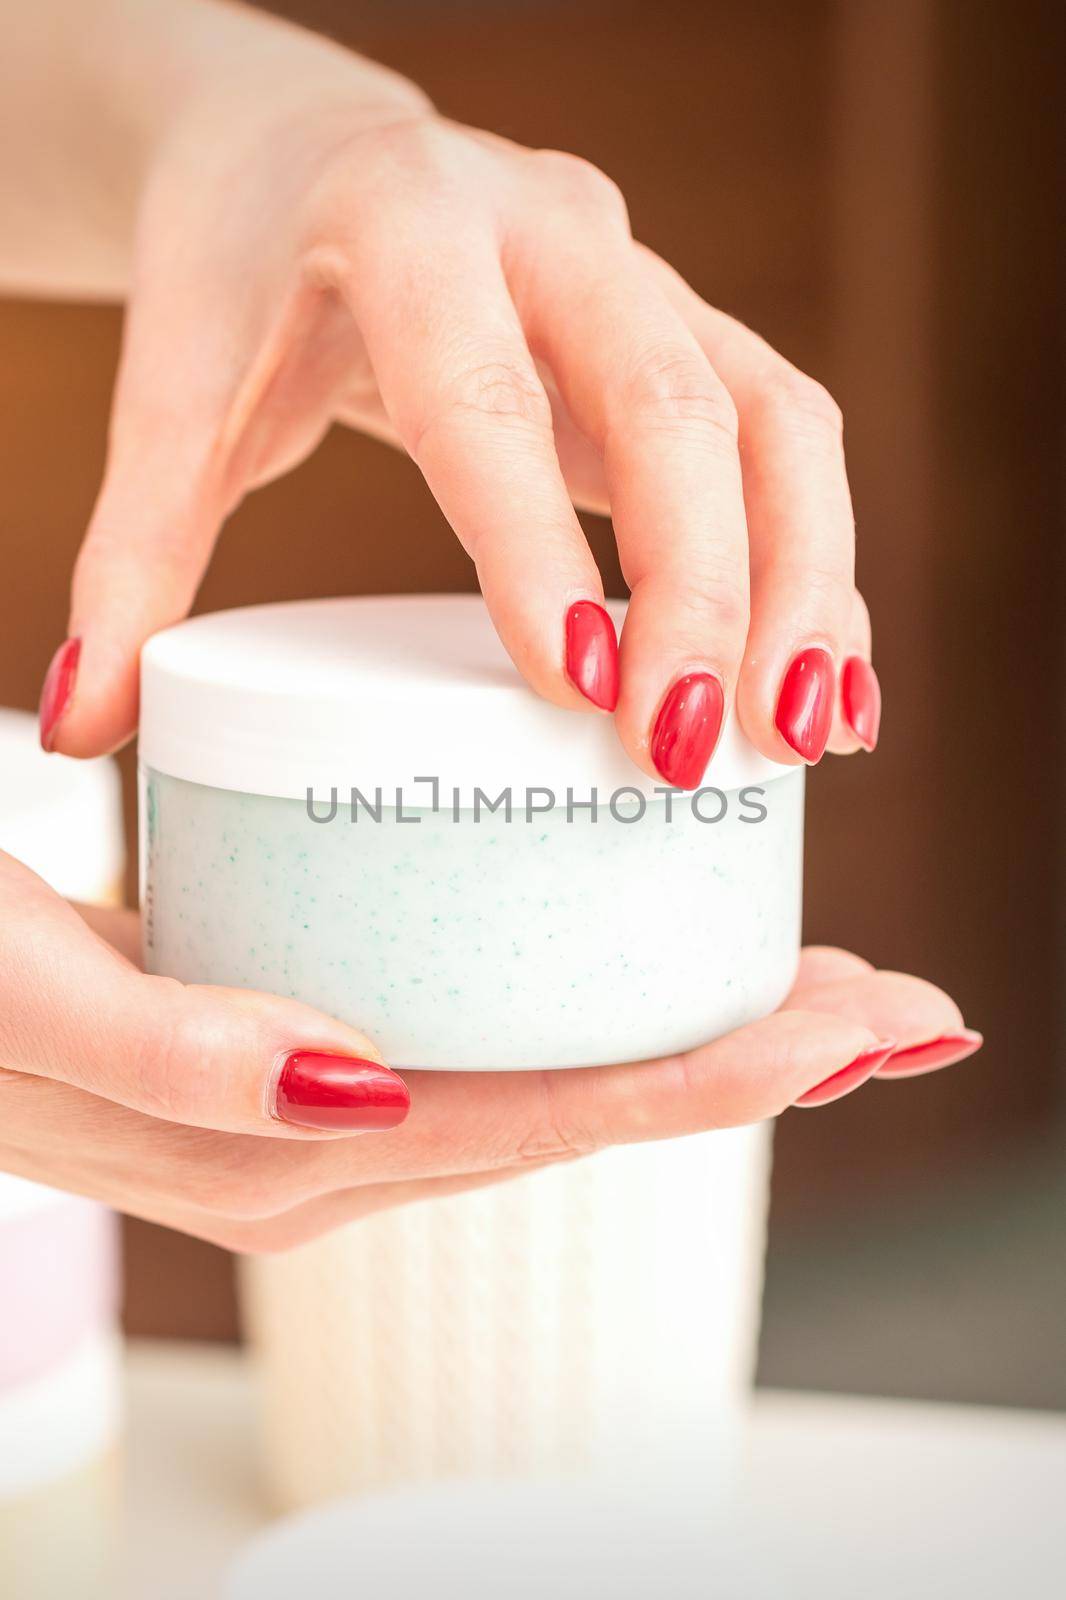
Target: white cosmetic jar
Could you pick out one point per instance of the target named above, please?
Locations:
(360, 803)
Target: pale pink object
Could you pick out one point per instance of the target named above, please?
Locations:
(59, 1282)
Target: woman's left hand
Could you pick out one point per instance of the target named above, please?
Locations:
(151, 1095)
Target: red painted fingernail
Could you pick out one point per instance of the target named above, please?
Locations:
(805, 707)
(57, 690)
(592, 654)
(860, 700)
(339, 1093)
(687, 729)
(935, 1053)
(853, 1076)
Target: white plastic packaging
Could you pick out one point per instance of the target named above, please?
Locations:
(60, 1374)
(549, 935)
(591, 1315)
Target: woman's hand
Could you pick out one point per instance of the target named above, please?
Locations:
(313, 243)
(163, 1100)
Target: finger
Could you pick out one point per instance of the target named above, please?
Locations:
(857, 717)
(638, 385)
(73, 1009)
(925, 1022)
(204, 372)
(154, 523)
(579, 462)
(894, 1004)
(930, 1055)
(477, 1122)
(120, 929)
(801, 531)
(821, 963)
(466, 401)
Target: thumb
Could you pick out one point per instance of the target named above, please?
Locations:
(155, 522)
(74, 1010)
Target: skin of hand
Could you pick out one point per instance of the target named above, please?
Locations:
(156, 1097)
(303, 240)
(310, 242)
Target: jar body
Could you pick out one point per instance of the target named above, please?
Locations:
(470, 941)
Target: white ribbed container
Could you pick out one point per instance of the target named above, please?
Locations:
(59, 1351)
(598, 1317)
(585, 1318)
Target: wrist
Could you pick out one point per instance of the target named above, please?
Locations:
(146, 80)
(223, 62)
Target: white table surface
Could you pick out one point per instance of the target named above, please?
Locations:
(845, 1497)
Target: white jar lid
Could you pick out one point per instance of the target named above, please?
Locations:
(63, 818)
(472, 1540)
(378, 692)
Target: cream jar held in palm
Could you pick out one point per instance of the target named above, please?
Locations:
(360, 803)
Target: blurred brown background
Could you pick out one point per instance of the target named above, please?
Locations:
(873, 184)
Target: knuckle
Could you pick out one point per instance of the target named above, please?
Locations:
(719, 597)
(805, 406)
(584, 184)
(391, 171)
(705, 588)
(502, 392)
(166, 1075)
(555, 1132)
(675, 386)
(418, 146)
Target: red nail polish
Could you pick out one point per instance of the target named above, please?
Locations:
(805, 707)
(592, 654)
(687, 729)
(860, 700)
(935, 1053)
(853, 1076)
(339, 1093)
(57, 690)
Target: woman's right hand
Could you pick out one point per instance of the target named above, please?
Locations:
(314, 244)
(182, 1104)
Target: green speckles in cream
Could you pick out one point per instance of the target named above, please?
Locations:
(463, 944)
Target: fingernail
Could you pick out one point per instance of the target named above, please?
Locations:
(853, 1076)
(805, 706)
(57, 690)
(592, 654)
(935, 1053)
(860, 700)
(338, 1093)
(687, 729)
